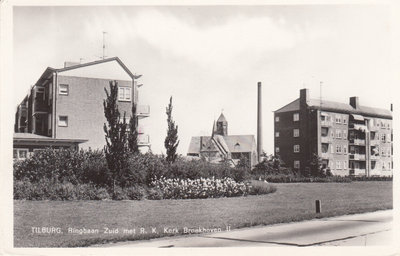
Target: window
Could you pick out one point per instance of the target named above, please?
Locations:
(383, 137)
(345, 149)
(276, 134)
(344, 120)
(345, 165)
(338, 134)
(383, 153)
(338, 165)
(296, 148)
(296, 164)
(324, 147)
(296, 117)
(63, 89)
(332, 149)
(338, 119)
(124, 93)
(338, 149)
(63, 121)
(277, 119)
(344, 134)
(296, 132)
(332, 134)
(324, 131)
(20, 153)
(277, 149)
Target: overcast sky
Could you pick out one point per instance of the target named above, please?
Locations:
(211, 58)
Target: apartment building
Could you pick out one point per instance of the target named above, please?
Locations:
(350, 139)
(66, 105)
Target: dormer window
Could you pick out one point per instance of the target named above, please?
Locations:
(237, 146)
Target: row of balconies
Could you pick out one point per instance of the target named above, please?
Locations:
(356, 142)
(353, 156)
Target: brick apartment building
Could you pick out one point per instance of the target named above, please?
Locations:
(351, 139)
(64, 107)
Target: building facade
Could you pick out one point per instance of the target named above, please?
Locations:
(220, 146)
(67, 103)
(350, 139)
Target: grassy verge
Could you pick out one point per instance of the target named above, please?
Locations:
(291, 202)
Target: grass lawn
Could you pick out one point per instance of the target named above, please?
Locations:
(291, 202)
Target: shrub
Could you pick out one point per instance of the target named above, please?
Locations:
(65, 166)
(50, 190)
(142, 168)
(154, 194)
(135, 192)
(260, 187)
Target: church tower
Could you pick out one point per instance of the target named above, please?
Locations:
(222, 126)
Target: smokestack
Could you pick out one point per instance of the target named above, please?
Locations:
(354, 102)
(391, 107)
(259, 123)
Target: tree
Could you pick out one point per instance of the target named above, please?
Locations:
(115, 134)
(133, 133)
(171, 141)
(315, 166)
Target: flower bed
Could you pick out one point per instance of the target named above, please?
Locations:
(199, 188)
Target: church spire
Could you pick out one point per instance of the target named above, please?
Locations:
(222, 126)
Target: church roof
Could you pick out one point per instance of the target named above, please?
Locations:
(234, 143)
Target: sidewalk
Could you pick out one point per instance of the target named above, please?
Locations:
(365, 229)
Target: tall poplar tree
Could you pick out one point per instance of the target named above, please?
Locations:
(115, 134)
(171, 141)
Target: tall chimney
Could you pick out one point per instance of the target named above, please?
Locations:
(259, 123)
(354, 102)
(391, 107)
(304, 96)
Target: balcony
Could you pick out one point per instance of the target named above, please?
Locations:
(359, 142)
(373, 128)
(374, 142)
(357, 157)
(326, 123)
(143, 140)
(375, 157)
(357, 171)
(40, 107)
(358, 127)
(325, 155)
(143, 111)
(140, 129)
(326, 139)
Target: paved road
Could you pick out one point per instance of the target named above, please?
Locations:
(360, 230)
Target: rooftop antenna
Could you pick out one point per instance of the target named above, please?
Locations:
(104, 45)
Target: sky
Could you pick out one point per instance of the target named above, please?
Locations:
(210, 58)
